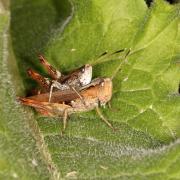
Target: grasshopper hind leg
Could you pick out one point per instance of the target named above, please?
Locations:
(43, 82)
(53, 72)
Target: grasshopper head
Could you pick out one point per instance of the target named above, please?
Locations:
(105, 91)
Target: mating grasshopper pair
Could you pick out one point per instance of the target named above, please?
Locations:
(73, 93)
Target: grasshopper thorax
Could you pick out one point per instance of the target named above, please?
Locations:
(85, 74)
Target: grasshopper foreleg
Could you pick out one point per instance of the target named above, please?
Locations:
(65, 115)
(104, 119)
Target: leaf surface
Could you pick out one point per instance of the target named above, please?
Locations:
(145, 102)
(20, 157)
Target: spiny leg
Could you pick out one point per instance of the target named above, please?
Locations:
(104, 119)
(112, 109)
(53, 72)
(65, 115)
(57, 85)
(62, 87)
(43, 82)
(50, 93)
(109, 105)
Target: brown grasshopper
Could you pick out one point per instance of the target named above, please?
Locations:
(74, 80)
(64, 103)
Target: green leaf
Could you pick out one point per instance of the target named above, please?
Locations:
(145, 102)
(23, 153)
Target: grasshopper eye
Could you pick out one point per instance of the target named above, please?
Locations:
(82, 70)
(102, 84)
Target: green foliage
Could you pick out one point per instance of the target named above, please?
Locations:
(19, 156)
(145, 102)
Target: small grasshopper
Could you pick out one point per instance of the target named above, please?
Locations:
(66, 100)
(64, 103)
(74, 80)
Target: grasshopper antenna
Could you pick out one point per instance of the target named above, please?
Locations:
(104, 57)
(119, 67)
(119, 51)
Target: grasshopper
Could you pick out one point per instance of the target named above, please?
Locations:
(74, 80)
(66, 100)
(64, 103)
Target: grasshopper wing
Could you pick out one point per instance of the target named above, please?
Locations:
(45, 108)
